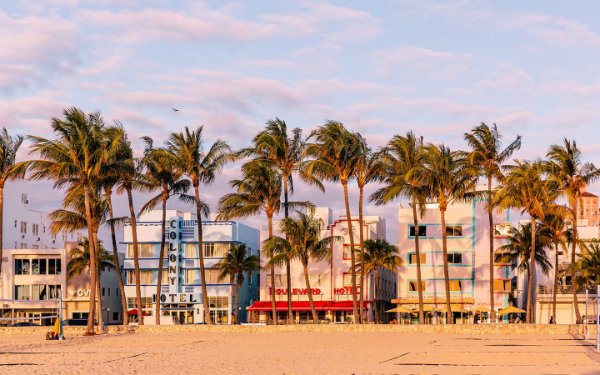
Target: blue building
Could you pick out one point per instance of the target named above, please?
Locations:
(181, 288)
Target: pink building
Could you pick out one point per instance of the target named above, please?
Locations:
(331, 283)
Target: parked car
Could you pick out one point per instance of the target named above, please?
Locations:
(25, 324)
(74, 322)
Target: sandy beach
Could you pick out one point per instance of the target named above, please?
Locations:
(298, 353)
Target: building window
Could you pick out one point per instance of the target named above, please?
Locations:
(455, 285)
(219, 309)
(24, 199)
(103, 292)
(212, 277)
(412, 286)
(454, 230)
(22, 267)
(23, 245)
(455, 258)
(35, 229)
(23, 292)
(145, 250)
(215, 249)
(54, 266)
(502, 230)
(23, 227)
(422, 230)
(502, 285)
(317, 280)
(348, 253)
(280, 281)
(348, 279)
(36, 292)
(146, 303)
(191, 250)
(115, 316)
(38, 266)
(146, 277)
(35, 247)
(80, 315)
(412, 258)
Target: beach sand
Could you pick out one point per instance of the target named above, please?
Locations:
(298, 353)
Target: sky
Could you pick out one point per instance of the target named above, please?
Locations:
(438, 68)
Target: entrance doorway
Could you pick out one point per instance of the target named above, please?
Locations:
(182, 316)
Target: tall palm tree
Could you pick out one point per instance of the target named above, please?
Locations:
(73, 158)
(186, 149)
(379, 254)
(160, 175)
(336, 152)
(127, 169)
(526, 188)
(9, 146)
(368, 170)
(520, 242)
(488, 155)
(283, 151)
(236, 263)
(80, 259)
(449, 179)
(573, 175)
(302, 242)
(589, 264)
(559, 235)
(403, 176)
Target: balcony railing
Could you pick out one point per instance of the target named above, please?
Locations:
(562, 289)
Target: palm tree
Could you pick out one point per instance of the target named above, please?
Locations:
(80, 259)
(559, 234)
(234, 265)
(403, 176)
(567, 168)
(368, 170)
(9, 146)
(589, 264)
(302, 242)
(488, 155)
(186, 149)
(73, 158)
(284, 152)
(336, 153)
(448, 179)
(160, 175)
(379, 254)
(527, 188)
(127, 170)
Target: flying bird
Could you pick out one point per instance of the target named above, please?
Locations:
(175, 109)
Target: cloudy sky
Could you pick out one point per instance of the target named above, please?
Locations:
(385, 67)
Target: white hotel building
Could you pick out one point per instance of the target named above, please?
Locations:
(181, 286)
(468, 258)
(330, 281)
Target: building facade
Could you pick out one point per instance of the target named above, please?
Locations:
(331, 282)
(181, 296)
(33, 281)
(467, 228)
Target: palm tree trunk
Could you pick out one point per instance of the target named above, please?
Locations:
(376, 295)
(573, 268)
(207, 319)
(362, 250)
(555, 283)
(310, 296)
(352, 255)
(136, 258)
(288, 267)
(88, 219)
(418, 255)
(98, 280)
(529, 317)
(273, 302)
(237, 299)
(1, 227)
(491, 221)
(161, 256)
(449, 319)
(108, 193)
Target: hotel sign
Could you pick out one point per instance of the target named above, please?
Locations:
(179, 298)
(344, 290)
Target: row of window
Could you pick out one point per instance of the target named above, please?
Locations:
(453, 258)
(41, 266)
(210, 250)
(36, 292)
(457, 286)
(190, 277)
(426, 230)
(316, 280)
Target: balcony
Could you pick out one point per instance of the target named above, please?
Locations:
(562, 289)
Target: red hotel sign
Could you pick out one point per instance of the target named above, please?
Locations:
(315, 291)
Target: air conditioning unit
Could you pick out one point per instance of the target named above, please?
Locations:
(38, 239)
(22, 236)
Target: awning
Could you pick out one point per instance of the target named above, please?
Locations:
(303, 306)
(134, 312)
